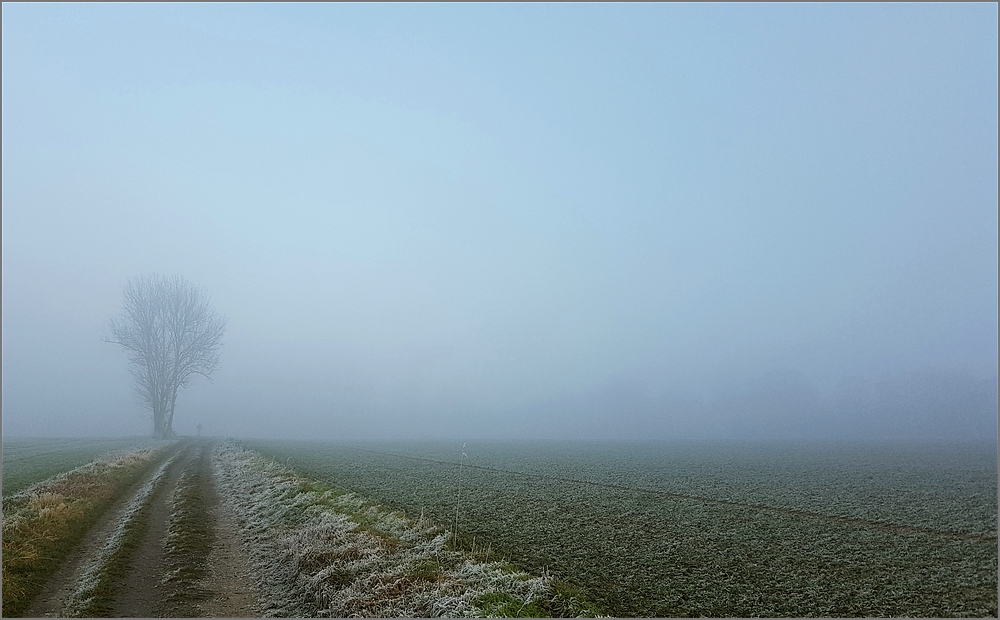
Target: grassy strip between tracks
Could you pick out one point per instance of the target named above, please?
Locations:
(189, 540)
(42, 523)
(334, 554)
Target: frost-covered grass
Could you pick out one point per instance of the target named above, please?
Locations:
(42, 522)
(94, 591)
(648, 553)
(318, 551)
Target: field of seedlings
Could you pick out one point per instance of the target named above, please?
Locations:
(669, 530)
(27, 461)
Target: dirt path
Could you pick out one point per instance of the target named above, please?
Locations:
(186, 560)
(49, 602)
(139, 592)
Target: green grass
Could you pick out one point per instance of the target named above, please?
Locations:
(564, 600)
(503, 605)
(769, 551)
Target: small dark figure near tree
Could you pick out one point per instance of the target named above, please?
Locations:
(170, 333)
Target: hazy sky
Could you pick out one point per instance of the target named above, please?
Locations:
(581, 221)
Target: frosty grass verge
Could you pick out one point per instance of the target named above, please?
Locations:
(319, 552)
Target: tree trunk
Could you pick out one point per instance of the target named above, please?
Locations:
(157, 422)
(169, 427)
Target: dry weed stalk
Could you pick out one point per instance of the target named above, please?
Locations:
(458, 496)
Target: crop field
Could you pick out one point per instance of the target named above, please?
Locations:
(668, 530)
(27, 461)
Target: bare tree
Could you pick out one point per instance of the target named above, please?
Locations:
(170, 333)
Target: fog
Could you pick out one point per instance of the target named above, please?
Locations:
(510, 221)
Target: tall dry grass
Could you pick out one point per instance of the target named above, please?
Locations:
(42, 523)
(458, 496)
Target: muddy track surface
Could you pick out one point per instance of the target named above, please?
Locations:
(167, 548)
